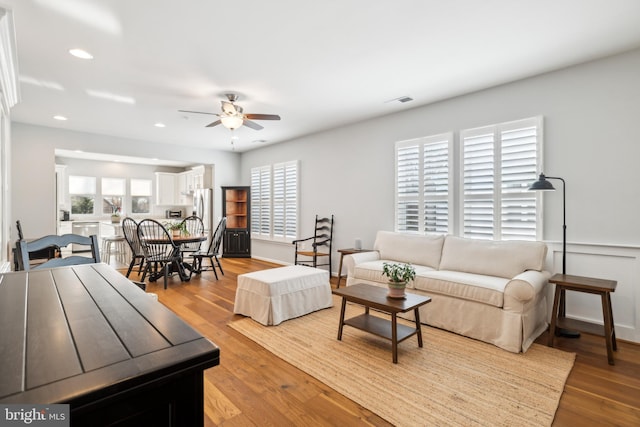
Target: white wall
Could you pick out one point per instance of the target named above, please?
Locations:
(590, 139)
(591, 115)
(33, 168)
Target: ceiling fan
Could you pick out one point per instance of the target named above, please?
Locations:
(232, 116)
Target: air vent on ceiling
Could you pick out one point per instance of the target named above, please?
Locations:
(401, 99)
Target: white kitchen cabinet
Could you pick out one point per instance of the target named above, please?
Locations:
(185, 186)
(166, 189)
(197, 175)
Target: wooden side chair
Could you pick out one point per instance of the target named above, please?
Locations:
(160, 251)
(194, 226)
(25, 248)
(130, 231)
(212, 251)
(321, 245)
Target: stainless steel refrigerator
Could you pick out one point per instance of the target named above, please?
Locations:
(203, 207)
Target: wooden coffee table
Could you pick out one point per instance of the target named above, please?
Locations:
(375, 297)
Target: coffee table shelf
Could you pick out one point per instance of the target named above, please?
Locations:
(380, 327)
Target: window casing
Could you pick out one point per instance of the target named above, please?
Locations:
(494, 165)
(82, 191)
(499, 163)
(113, 192)
(141, 195)
(423, 173)
(274, 201)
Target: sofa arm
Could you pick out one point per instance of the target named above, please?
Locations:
(525, 286)
(350, 261)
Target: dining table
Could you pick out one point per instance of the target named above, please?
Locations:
(87, 337)
(179, 240)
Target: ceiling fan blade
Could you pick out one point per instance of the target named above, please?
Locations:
(252, 125)
(262, 116)
(228, 108)
(197, 112)
(212, 124)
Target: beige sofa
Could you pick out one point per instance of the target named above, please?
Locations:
(487, 290)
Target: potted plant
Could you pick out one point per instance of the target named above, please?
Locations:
(115, 215)
(398, 275)
(177, 228)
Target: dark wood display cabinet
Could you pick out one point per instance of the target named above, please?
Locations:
(237, 236)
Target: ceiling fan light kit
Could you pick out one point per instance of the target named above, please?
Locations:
(232, 116)
(231, 122)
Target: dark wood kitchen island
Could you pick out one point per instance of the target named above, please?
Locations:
(86, 336)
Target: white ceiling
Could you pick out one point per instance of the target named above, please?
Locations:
(318, 64)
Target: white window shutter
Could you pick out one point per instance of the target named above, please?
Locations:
(285, 200)
(436, 184)
(498, 164)
(274, 201)
(519, 165)
(408, 186)
(478, 182)
(261, 201)
(423, 168)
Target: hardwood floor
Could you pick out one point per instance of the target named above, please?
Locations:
(252, 387)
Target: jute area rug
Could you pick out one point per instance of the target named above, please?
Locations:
(452, 380)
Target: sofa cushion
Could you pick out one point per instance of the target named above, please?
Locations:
(502, 259)
(473, 287)
(409, 248)
(372, 271)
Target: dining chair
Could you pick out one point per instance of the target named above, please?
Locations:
(159, 250)
(25, 248)
(212, 251)
(130, 231)
(40, 256)
(194, 226)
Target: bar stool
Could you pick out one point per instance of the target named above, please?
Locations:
(115, 244)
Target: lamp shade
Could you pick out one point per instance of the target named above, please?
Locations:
(231, 122)
(542, 184)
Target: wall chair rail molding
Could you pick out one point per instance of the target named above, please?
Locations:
(606, 261)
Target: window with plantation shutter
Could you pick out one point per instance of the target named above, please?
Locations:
(261, 201)
(274, 201)
(478, 183)
(422, 184)
(408, 187)
(479, 192)
(498, 164)
(436, 184)
(285, 200)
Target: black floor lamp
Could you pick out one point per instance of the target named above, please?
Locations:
(543, 185)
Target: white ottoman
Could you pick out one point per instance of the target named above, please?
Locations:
(273, 296)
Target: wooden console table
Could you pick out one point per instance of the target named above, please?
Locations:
(602, 287)
(86, 336)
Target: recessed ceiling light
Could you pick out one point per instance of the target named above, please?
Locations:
(79, 53)
(62, 118)
(159, 125)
